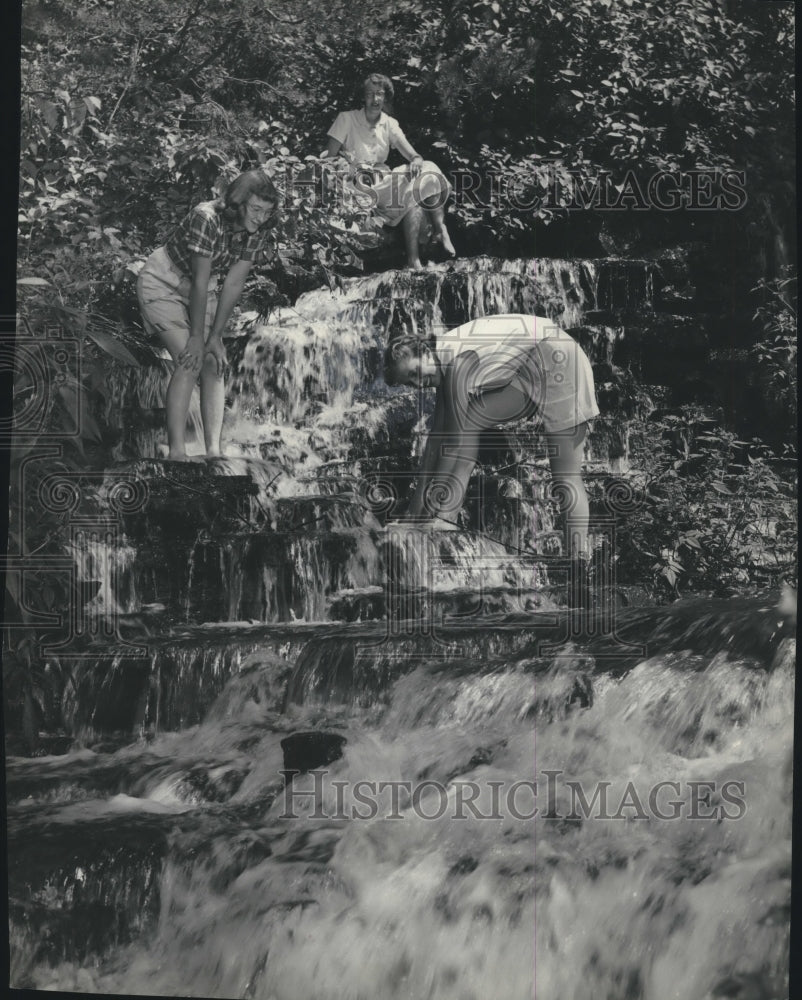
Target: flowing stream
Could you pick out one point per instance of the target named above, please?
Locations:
(300, 791)
(178, 866)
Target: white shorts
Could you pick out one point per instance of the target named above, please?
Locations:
(163, 294)
(531, 354)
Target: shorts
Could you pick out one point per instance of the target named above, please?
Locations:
(566, 378)
(552, 374)
(393, 194)
(163, 295)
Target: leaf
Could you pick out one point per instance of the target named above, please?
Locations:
(49, 112)
(112, 347)
(38, 282)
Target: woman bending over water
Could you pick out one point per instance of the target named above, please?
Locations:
(403, 195)
(491, 371)
(177, 296)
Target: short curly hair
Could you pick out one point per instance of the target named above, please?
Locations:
(400, 350)
(379, 80)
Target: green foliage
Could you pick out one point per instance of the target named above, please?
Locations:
(713, 513)
(536, 88)
(518, 94)
(775, 353)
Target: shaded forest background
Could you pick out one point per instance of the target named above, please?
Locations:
(132, 112)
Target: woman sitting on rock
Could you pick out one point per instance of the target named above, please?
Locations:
(497, 370)
(403, 195)
(176, 289)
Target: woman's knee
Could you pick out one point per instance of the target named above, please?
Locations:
(174, 338)
(569, 492)
(209, 369)
(567, 450)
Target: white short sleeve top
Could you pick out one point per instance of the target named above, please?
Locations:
(366, 143)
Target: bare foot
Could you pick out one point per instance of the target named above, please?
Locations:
(415, 265)
(448, 246)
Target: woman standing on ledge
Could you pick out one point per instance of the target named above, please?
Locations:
(496, 370)
(177, 296)
(404, 194)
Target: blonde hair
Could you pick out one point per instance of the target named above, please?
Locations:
(252, 182)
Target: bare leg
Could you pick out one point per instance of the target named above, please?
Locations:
(179, 393)
(212, 400)
(411, 224)
(566, 469)
(436, 212)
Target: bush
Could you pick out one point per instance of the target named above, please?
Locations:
(712, 513)
(775, 354)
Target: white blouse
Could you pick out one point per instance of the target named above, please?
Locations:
(366, 143)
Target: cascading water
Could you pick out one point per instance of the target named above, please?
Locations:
(221, 885)
(424, 683)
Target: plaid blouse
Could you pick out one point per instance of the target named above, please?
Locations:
(204, 231)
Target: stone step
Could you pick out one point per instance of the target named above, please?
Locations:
(181, 671)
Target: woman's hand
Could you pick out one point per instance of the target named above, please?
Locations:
(415, 166)
(191, 358)
(364, 173)
(216, 350)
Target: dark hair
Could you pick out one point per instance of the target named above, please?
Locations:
(399, 350)
(240, 190)
(379, 80)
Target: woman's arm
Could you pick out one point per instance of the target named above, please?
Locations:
(432, 455)
(334, 147)
(404, 147)
(337, 137)
(229, 296)
(191, 357)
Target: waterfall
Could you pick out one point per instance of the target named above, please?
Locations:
(436, 683)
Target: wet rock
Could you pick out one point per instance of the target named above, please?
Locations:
(305, 751)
